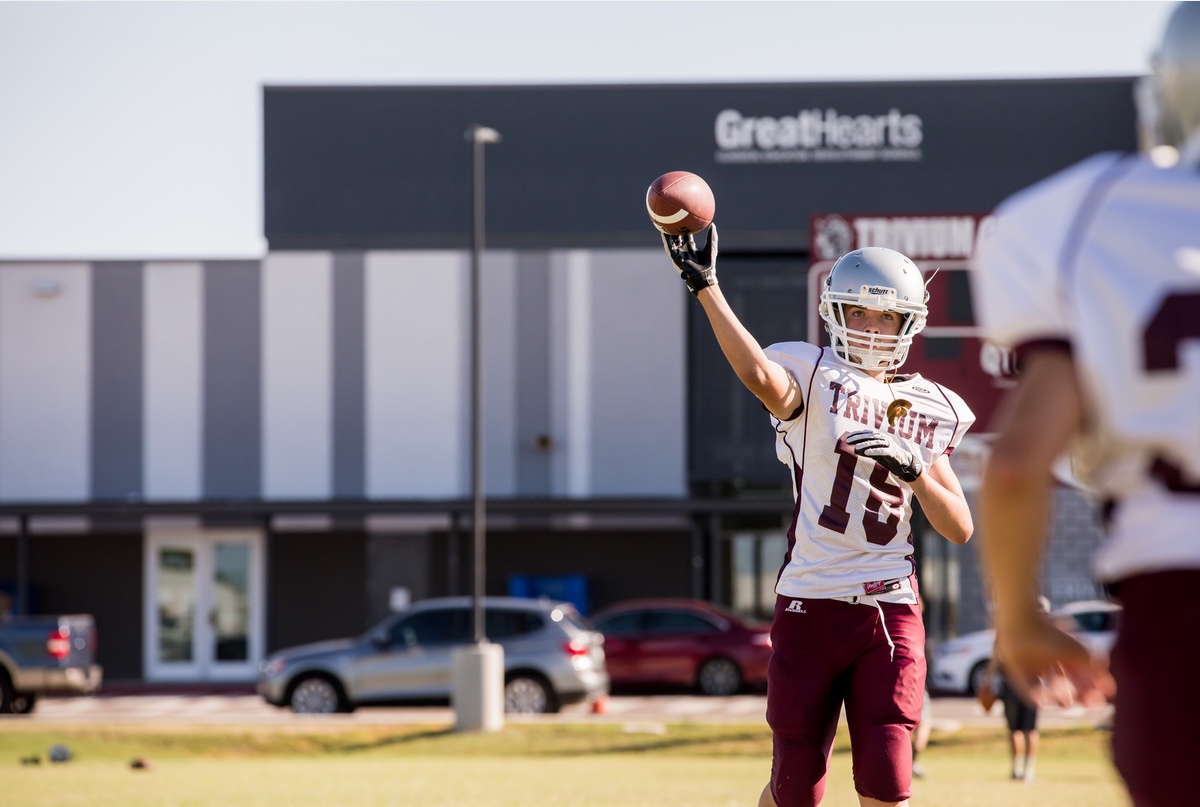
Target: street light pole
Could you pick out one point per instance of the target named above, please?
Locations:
(477, 670)
(479, 136)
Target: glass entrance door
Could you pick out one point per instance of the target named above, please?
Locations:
(203, 603)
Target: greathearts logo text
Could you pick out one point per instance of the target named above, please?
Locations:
(818, 136)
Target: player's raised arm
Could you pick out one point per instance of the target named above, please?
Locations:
(767, 379)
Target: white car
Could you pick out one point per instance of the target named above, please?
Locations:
(959, 664)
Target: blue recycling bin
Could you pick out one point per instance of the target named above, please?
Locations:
(572, 588)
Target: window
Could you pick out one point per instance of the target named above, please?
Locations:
(624, 624)
(507, 623)
(678, 622)
(1096, 621)
(433, 627)
(730, 441)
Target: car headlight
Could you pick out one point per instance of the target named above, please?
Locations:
(272, 667)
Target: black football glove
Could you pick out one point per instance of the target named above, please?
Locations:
(697, 268)
(888, 452)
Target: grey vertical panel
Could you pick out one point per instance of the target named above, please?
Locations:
(349, 401)
(533, 372)
(639, 405)
(116, 380)
(232, 380)
(499, 324)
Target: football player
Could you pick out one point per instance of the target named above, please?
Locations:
(859, 440)
(1093, 276)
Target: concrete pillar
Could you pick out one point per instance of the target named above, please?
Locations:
(477, 687)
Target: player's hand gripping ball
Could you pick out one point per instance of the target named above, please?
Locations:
(680, 203)
(697, 267)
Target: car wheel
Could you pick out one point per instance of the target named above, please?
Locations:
(719, 676)
(528, 695)
(23, 703)
(975, 678)
(315, 695)
(6, 694)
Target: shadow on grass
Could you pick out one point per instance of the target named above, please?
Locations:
(395, 740)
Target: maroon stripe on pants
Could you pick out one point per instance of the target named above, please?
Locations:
(1156, 745)
(826, 652)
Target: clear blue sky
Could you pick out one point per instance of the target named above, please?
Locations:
(132, 130)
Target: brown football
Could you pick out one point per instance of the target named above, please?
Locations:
(680, 203)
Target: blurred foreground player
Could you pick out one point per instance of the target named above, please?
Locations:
(1093, 276)
(847, 626)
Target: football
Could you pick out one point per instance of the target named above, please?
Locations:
(680, 203)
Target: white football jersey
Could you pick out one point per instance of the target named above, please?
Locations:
(1105, 257)
(851, 531)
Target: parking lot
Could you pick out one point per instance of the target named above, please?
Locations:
(239, 707)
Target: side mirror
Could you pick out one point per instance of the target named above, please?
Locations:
(381, 639)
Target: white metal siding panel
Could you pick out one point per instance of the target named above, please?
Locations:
(571, 373)
(414, 374)
(639, 393)
(45, 381)
(297, 344)
(173, 382)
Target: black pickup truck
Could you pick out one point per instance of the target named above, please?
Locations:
(41, 654)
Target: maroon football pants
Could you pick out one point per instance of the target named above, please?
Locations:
(1156, 745)
(826, 652)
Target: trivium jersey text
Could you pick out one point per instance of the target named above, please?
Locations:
(850, 528)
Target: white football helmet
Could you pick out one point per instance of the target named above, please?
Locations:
(1168, 100)
(879, 278)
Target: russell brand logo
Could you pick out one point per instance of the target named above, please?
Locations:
(796, 607)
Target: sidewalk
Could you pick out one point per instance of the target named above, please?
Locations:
(214, 704)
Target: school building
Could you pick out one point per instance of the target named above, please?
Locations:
(222, 458)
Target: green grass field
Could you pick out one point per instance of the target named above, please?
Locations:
(528, 765)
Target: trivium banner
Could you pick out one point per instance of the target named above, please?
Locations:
(918, 237)
(815, 135)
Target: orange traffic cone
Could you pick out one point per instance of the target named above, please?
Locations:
(600, 705)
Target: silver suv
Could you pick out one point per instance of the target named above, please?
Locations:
(552, 657)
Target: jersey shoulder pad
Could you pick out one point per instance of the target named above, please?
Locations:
(1017, 261)
(1070, 184)
(963, 415)
(794, 354)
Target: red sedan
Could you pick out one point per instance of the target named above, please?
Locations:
(683, 642)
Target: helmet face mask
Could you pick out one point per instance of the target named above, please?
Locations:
(879, 279)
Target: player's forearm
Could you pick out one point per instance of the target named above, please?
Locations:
(946, 509)
(1036, 424)
(1014, 506)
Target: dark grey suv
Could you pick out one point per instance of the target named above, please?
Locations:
(552, 657)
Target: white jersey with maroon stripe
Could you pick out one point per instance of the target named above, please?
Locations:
(850, 531)
(1104, 257)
